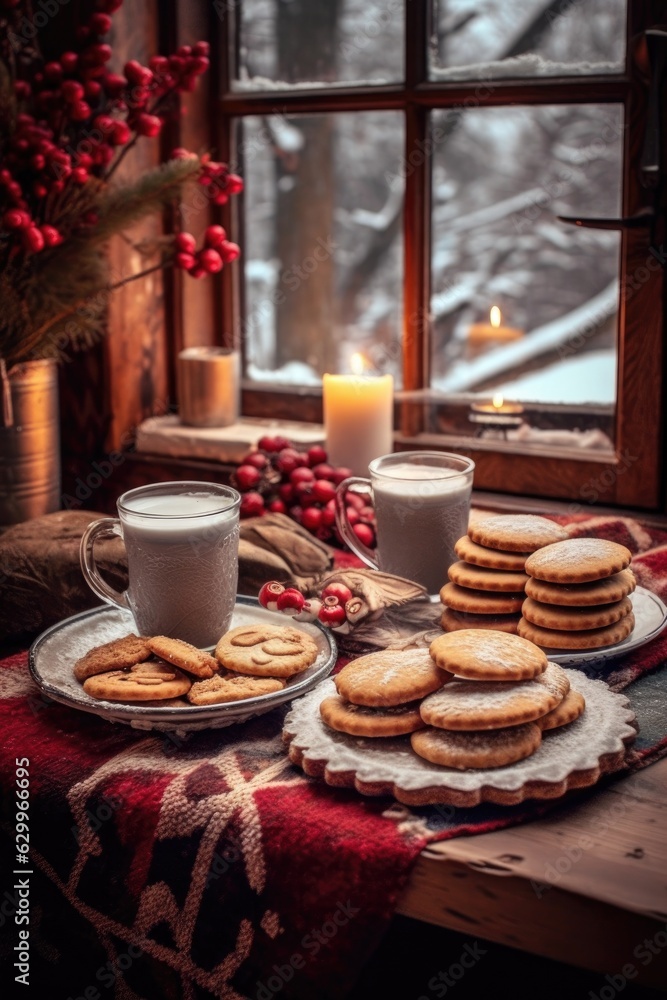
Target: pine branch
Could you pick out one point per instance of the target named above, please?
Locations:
(125, 205)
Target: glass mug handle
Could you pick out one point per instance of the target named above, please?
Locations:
(344, 526)
(108, 526)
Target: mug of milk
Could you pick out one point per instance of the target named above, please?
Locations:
(422, 505)
(182, 544)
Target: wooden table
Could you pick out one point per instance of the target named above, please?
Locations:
(587, 886)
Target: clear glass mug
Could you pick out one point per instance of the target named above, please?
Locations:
(182, 553)
(422, 506)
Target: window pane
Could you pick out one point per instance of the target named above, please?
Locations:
(306, 42)
(500, 178)
(483, 39)
(323, 249)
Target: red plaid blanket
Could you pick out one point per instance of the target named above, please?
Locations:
(212, 867)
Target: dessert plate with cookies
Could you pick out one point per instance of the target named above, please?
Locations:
(95, 662)
(577, 598)
(478, 716)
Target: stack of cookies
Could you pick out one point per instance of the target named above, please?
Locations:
(475, 699)
(508, 694)
(578, 595)
(379, 694)
(486, 587)
(249, 661)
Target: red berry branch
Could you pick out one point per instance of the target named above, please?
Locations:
(65, 126)
(336, 607)
(277, 477)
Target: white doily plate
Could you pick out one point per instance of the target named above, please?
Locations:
(54, 652)
(574, 756)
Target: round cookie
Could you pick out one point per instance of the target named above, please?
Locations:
(574, 619)
(594, 638)
(389, 677)
(470, 552)
(223, 688)
(578, 560)
(570, 708)
(516, 532)
(475, 705)
(360, 720)
(114, 655)
(479, 601)
(266, 650)
(184, 655)
(605, 591)
(147, 681)
(482, 578)
(452, 621)
(494, 748)
(488, 656)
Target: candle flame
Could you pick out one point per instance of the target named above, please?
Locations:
(495, 316)
(498, 402)
(358, 364)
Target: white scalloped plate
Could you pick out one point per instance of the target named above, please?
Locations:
(54, 652)
(574, 756)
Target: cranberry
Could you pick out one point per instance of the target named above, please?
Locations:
(210, 260)
(340, 474)
(136, 73)
(302, 475)
(252, 505)
(185, 242)
(148, 125)
(323, 490)
(121, 134)
(365, 534)
(255, 458)
(338, 590)
(185, 261)
(316, 455)
(311, 518)
(278, 507)
(247, 477)
(215, 236)
(322, 470)
(32, 240)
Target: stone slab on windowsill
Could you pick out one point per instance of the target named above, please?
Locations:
(168, 436)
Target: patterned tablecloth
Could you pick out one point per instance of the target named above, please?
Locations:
(212, 867)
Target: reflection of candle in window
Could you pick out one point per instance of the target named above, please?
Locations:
(497, 407)
(358, 416)
(484, 336)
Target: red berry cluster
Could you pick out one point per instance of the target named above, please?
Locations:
(277, 477)
(336, 606)
(73, 115)
(216, 252)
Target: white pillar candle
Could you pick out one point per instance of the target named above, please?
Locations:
(358, 419)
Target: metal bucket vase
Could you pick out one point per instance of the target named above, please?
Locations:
(29, 443)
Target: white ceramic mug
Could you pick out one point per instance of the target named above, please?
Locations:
(422, 505)
(182, 554)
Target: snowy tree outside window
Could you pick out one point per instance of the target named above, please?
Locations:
(324, 192)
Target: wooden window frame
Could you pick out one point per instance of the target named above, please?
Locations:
(634, 476)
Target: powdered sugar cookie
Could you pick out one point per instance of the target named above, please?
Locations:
(516, 532)
(479, 601)
(476, 705)
(570, 708)
(574, 619)
(578, 560)
(479, 750)
(361, 720)
(482, 578)
(225, 687)
(147, 681)
(606, 591)
(470, 552)
(390, 677)
(488, 655)
(452, 621)
(593, 638)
